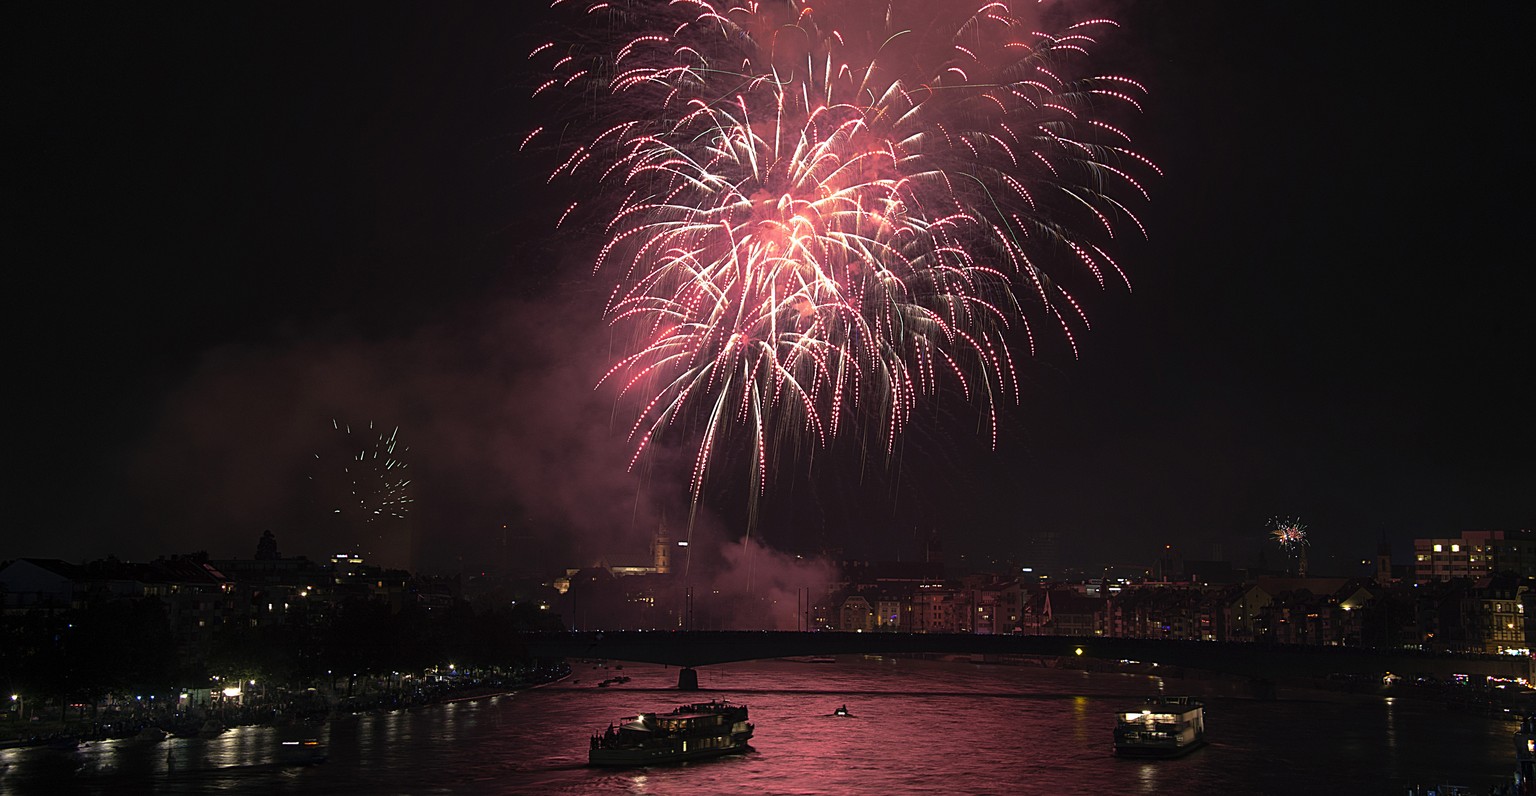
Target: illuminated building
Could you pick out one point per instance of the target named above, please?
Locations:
(1474, 554)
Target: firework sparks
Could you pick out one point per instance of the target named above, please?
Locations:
(367, 474)
(1290, 534)
(821, 217)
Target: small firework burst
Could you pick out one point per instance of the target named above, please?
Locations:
(363, 475)
(1290, 534)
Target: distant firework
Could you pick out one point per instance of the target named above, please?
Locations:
(1290, 534)
(363, 476)
(820, 214)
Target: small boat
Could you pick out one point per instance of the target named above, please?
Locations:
(301, 752)
(842, 710)
(691, 732)
(1161, 727)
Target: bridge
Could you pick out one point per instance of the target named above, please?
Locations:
(1268, 662)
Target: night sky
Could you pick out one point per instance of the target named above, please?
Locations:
(231, 224)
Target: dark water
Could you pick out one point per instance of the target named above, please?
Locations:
(918, 727)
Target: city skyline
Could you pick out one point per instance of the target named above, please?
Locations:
(243, 224)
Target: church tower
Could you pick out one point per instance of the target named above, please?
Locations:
(661, 550)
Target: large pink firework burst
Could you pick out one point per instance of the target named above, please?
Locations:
(819, 214)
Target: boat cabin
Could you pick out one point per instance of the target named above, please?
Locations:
(1164, 726)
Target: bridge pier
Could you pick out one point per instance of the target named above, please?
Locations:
(687, 679)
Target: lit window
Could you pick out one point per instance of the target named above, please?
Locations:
(1439, 549)
(1455, 548)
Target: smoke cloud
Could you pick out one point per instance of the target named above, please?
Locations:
(516, 462)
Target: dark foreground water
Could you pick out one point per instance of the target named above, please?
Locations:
(918, 727)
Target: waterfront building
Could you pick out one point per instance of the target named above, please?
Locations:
(856, 614)
(1496, 615)
(198, 599)
(1004, 603)
(32, 583)
(932, 609)
(1061, 611)
(1244, 615)
(1299, 617)
(1180, 611)
(888, 611)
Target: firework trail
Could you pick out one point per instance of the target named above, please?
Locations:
(821, 214)
(1290, 534)
(364, 476)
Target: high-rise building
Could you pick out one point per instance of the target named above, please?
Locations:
(1474, 554)
(1040, 550)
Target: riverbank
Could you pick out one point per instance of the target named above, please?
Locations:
(1499, 699)
(290, 707)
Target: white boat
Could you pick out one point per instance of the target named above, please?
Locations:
(1160, 727)
(304, 752)
(691, 732)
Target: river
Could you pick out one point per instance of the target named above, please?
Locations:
(918, 726)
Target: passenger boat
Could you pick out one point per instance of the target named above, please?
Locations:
(1161, 727)
(691, 732)
(304, 752)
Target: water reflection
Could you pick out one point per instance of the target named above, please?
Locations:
(918, 726)
(1391, 733)
(1080, 723)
